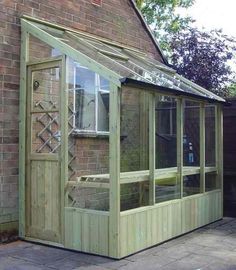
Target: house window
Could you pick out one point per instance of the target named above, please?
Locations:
(91, 101)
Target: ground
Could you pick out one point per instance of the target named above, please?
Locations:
(209, 248)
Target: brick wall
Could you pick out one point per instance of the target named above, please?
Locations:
(92, 156)
(115, 20)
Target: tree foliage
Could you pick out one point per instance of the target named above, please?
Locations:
(161, 15)
(231, 90)
(203, 57)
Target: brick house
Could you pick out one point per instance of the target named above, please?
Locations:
(108, 133)
(115, 20)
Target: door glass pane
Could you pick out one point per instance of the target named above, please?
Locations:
(45, 88)
(45, 131)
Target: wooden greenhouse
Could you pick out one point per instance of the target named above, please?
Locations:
(117, 151)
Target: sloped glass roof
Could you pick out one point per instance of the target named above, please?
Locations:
(127, 63)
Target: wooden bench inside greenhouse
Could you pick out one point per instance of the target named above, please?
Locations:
(102, 180)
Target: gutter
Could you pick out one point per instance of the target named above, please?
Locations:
(165, 90)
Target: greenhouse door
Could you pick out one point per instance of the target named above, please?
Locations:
(43, 208)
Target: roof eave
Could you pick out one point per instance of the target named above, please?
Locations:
(165, 90)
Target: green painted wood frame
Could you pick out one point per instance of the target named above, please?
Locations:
(22, 129)
(114, 168)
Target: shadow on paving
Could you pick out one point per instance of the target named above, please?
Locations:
(212, 247)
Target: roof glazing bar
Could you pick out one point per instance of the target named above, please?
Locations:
(71, 52)
(86, 43)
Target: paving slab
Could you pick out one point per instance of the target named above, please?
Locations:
(212, 247)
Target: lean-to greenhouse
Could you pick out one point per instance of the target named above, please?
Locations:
(118, 151)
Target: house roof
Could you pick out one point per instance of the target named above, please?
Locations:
(149, 31)
(118, 64)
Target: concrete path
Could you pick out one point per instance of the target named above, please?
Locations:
(210, 248)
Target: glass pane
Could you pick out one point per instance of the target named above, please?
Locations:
(130, 65)
(166, 147)
(103, 111)
(90, 198)
(211, 181)
(85, 98)
(191, 185)
(134, 130)
(134, 195)
(91, 98)
(39, 50)
(167, 189)
(210, 135)
(191, 140)
(103, 104)
(104, 84)
(88, 156)
(45, 88)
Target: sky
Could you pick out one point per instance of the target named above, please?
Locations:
(214, 14)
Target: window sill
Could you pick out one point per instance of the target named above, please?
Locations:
(78, 134)
(90, 135)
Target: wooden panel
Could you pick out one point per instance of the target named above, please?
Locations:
(200, 210)
(144, 227)
(43, 217)
(149, 226)
(87, 230)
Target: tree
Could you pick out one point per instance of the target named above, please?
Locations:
(203, 57)
(162, 17)
(231, 90)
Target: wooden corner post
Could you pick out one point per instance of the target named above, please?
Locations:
(22, 129)
(114, 165)
(64, 143)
